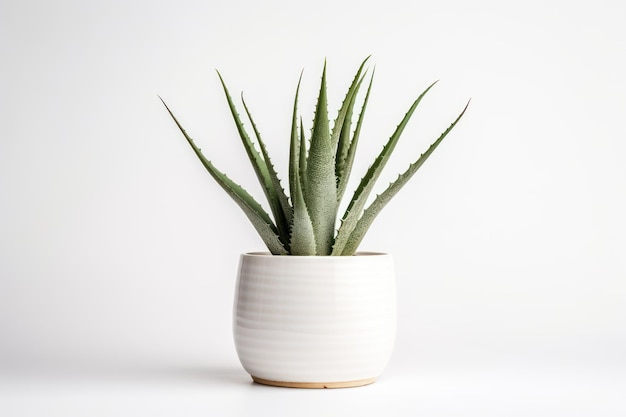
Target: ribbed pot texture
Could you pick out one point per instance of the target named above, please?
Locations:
(315, 321)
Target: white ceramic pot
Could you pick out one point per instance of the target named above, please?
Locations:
(315, 321)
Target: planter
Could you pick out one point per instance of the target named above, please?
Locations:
(315, 321)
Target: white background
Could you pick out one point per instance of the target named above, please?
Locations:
(118, 253)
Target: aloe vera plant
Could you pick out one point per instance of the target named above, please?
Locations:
(304, 223)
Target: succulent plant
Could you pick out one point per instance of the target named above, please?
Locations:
(319, 169)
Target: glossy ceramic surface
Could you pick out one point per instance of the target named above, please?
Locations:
(315, 320)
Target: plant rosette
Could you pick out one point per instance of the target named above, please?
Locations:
(314, 312)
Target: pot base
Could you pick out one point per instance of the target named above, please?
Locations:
(315, 385)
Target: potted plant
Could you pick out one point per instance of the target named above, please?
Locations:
(314, 312)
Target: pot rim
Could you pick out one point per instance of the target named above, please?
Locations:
(357, 254)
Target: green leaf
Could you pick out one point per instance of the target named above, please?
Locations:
(279, 202)
(260, 168)
(302, 238)
(302, 241)
(303, 156)
(346, 106)
(344, 168)
(381, 200)
(367, 183)
(321, 184)
(251, 208)
(294, 147)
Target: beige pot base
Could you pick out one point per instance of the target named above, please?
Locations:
(342, 384)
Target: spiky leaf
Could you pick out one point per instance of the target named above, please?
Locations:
(251, 208)
(346, 107)
(367, 183)
(381, 200)
(302, 234)
(320, 184)
(294, 147)
(260, 167)
(344, 169)
(279, 202)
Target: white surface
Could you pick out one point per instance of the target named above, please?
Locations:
(315, 318)
(225, 390)
(119, 253)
